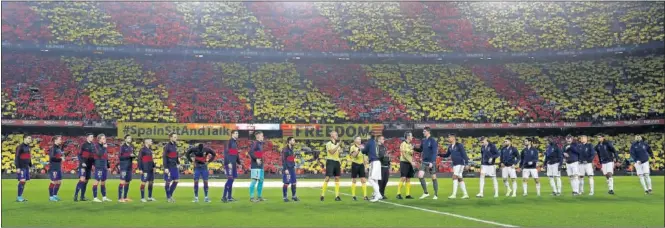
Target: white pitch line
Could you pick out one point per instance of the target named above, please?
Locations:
(440, 212)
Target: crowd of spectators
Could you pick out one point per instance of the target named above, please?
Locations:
(307, 162)
(120, 89)
(605, 89)
(200, 96)
(43, 88)
(135, 89)
(537, 26)
(282, 95)
(385, 27)
(351, 90)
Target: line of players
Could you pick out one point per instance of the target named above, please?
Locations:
(370, 158)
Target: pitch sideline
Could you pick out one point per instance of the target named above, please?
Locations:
(439, 212)
(268, 184)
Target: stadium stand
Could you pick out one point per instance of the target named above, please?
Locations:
(452, 93)
(79, 23)
(43, 88)
(352, 91)
(155, 24)
(225, 25)
(298, 25)
(8, 106)
(121, 90)
(283, 96)
(201, 97)
(21, 23)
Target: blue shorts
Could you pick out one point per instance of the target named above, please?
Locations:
(55, 175)
(126, 176)
(173, 175)
(148, 176)
(233, 172)
(24, 173)
(100, 174)
(200, 172)
(291, 178)
(257, 174)
(85, 172)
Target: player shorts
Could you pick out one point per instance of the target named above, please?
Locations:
(24, 173)
(173, 174)
(232, 172)
(333, 168)
(85, 172)
(553, 170)
(257, 174)
(572, 169)
(126, 175)
(526, 173)
(428, 170)
(358, 171)
(148, 176)
(375, 170)
(458, 170)
(201, 172)
(607, 168)
(289, 178)
(100, 174)
(642, 168)
(488, 170)
(585, 169)
(55, 175)
(406, 170)
(508, 171)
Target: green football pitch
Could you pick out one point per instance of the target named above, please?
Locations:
(629, 207)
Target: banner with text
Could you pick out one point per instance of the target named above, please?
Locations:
(322, 131)
(185, 131)
(43, 123)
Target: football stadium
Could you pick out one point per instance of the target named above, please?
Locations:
(333, 114)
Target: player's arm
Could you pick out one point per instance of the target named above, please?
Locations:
(464, 156)
(593, 154)
(333, 147)
(521, 164)
(516, 155)
(252, 150)
(211, 153)
(613, 151)
(494, 152)
(165, 158)
(283, 156)
(17, 156)
(366, 149)
(649, 151)
(188, 155)
(52, 155)
(140, 161)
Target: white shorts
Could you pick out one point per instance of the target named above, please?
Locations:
(642, 168)
(375, 170)
(488, 170)
(608, 168)
(458, 170)
(585, 169)
(571, 169)
(529, 172)
(508, 172)
(553, 170)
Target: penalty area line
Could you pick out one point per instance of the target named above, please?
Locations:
(439, 212)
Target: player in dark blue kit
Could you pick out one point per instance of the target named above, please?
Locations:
(23, 162)
(171, 164)
(146, 169)
(55, 167)
(607, 155)
(101, 168)
(231, 162)
(126, 159)
(572, 154)
(289, 169)
(86, 161)
(640, 152)
(201, 160)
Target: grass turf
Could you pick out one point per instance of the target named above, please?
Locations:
(629, 207)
